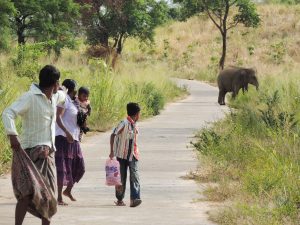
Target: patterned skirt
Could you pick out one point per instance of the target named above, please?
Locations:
(33, 174)
(69, 161)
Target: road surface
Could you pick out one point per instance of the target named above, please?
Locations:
(166, 156)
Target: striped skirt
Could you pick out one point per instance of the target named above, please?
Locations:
(69, 161)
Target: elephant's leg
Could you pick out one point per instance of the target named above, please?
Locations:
(235, 92)
(223, 98)
(220, 97)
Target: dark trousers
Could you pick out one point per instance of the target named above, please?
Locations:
(134, 179)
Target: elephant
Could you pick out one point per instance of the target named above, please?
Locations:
(232, 79)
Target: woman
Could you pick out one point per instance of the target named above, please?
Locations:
(68, 156)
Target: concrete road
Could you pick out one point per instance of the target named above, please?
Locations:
(165, 158)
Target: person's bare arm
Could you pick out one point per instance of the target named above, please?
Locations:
(59, 114)
(112, 140)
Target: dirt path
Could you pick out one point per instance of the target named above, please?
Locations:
(167, 198)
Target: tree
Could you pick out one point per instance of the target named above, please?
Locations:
(59, 24)
(51, 20)
(6, 11)
(110, 22)
(219, 13)
(24, 19)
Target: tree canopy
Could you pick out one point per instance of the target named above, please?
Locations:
(51, 20)
(7, 10)
(109, 22)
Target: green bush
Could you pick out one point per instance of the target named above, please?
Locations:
(153, 98)
(25, 60)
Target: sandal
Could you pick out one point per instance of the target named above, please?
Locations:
(120, 203)
(135, 202)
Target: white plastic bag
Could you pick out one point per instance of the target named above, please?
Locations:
(112, 169)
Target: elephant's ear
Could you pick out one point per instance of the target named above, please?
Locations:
(243, 76)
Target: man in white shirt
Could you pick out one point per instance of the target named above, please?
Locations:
(35, 191)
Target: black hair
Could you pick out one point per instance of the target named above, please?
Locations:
(48, 76)
(83, 90)
(133, 108)
(69, 84)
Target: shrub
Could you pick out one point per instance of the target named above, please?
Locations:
(153, 98)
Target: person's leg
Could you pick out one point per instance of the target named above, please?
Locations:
(45, 221)
(59, 198)
(21, 209)
(60, 163)
(120, 190)
(134, 183)
(68, 192)
(76, 167)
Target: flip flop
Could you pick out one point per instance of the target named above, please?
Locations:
(120, 203)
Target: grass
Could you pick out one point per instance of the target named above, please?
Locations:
(252, 156)
(192, 48)
(147, 84)
(256, 147)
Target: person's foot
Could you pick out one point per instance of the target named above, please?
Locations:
(135, 202)
(61, 202)
(68, 194)
(120, 203)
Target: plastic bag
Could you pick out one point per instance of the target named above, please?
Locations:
(112, 169)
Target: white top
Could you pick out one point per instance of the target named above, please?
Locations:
(69, 119)
(38, 117)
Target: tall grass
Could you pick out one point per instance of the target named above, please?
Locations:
(256, 148)
(110, 90)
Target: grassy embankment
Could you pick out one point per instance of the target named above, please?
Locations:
(143, 82)
(251, 159)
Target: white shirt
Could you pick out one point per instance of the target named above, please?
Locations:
(38, 115)
(69, 119)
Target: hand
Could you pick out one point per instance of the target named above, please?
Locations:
(111, 155)
(70, 138)
(14, 143)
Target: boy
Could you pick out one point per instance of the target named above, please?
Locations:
(84, 110)
(123, 145)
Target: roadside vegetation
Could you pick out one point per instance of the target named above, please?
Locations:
(64, 33)
(110, 89)
(250, 161)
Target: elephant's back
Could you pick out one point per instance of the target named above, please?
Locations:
(225, 78)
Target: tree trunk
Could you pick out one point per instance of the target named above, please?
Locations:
(20, 30)
(224, 35)
(224, 48)
(120, 44)
(115, 42)
(104, 40)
